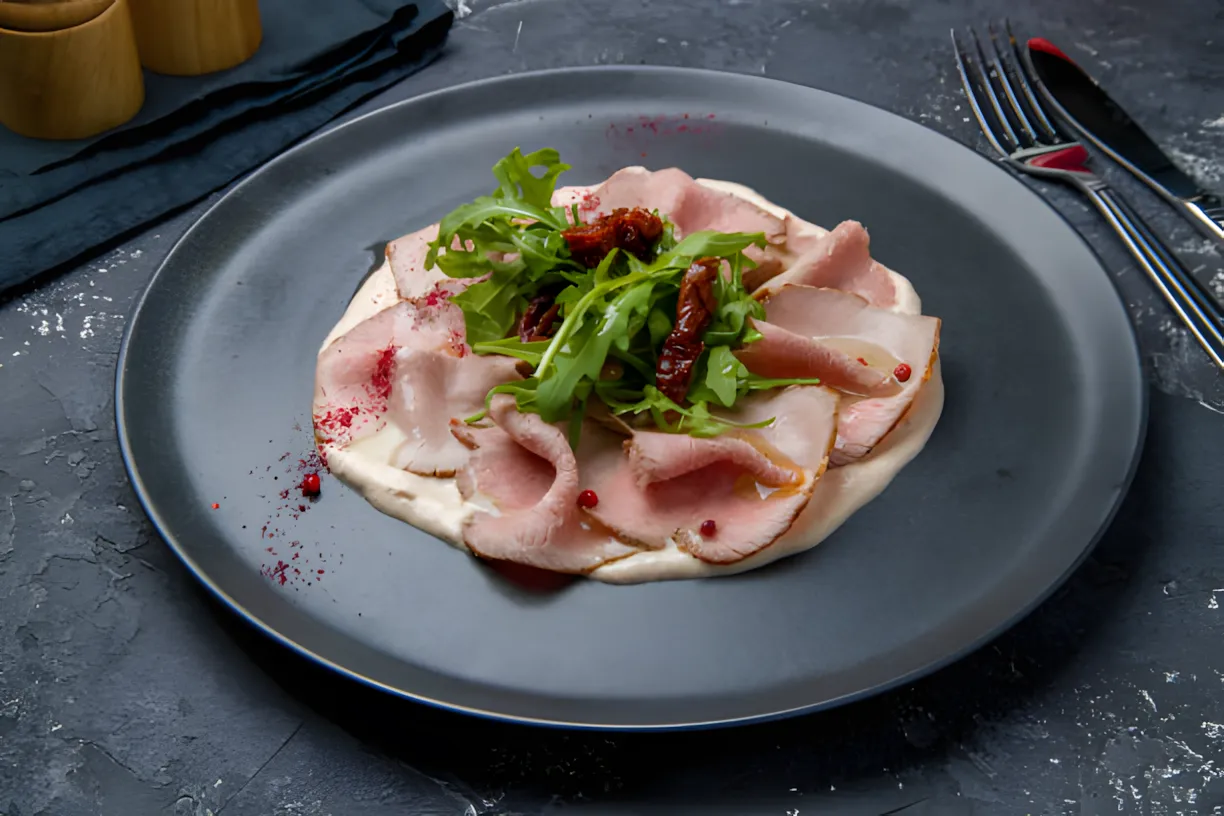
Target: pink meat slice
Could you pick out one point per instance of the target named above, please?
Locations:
(354, 374)
(407, 258)
(885, 339)
(784, 354)
(525, 469)
(752, 483)
(430, 389)
(360, 375)
(638, 187)
(690, 206)
(841, 259)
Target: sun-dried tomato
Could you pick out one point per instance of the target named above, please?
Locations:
(635, 231)
(694, 311)
(537, 321)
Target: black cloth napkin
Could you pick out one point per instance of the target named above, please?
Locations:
(60, 200)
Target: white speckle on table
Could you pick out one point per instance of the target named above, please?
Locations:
(1171, 677)
(1214, 124)
(1148, 697)
(1208, 170)
(1216, 284)
(1212, 603)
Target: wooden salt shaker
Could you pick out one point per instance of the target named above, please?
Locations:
(191, 37)
(71, 82)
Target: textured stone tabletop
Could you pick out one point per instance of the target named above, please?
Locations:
(124, 690)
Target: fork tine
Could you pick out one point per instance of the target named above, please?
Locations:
(1002, 66)
(1047, 125)
(991, 96)
(963, 68)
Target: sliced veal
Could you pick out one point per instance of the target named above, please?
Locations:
(691, 206)
(840, 259)
(784, 354)
(750, 484)
(358, 372)
(430, 389)
(842, 322)
(523, 469)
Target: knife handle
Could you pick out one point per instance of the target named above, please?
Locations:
(1207, 212)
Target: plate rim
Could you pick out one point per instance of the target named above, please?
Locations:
(160, 525)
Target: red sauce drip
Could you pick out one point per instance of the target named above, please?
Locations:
(587, 499)
(862, 361)
(902, 372)
(215, 505)
(709, 528)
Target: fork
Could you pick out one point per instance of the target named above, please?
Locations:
(1030, 141)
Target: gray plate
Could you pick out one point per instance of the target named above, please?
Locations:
(1042, 426)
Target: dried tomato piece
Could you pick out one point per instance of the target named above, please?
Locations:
(635, 231)
(537, 321)
(694, 312)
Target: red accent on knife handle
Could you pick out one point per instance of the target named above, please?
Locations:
(1044, 45)
(1074, 159)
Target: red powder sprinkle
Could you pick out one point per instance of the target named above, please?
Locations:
(902, 372)
(383, 370)
(587, 499)
(276, 573)
(320, 572)
(861, 360)
(215, 505)
(709, 527)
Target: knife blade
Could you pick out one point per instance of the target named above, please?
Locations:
(1085, 105)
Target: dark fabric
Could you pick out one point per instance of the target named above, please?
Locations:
(58, 200)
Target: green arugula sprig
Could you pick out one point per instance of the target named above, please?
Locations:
(613, 319)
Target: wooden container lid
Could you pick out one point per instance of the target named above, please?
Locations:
(74, 82)
(191, 37)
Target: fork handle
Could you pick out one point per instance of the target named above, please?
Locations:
(1207, 211)
(1206, 301)
(1166, 279)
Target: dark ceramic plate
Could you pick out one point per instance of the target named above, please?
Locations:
(1042, 426)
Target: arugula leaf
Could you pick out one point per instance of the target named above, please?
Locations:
(517, 181)
(491, 307)
(531, 351)
(722, 374)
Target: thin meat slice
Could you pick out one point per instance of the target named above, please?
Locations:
(428, 391)
(783, 354)
(690, 205)
(523, 469)
(354, 374)
(841, 260)
(638, 187)
(407, 258)
(568, 196)
(882, 338)
(750, 483)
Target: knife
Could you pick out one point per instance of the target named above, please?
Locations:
(1084, 104)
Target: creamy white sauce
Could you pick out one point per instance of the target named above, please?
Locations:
(435, 506)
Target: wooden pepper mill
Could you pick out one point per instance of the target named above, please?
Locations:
(69, 69)
(191, 37)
